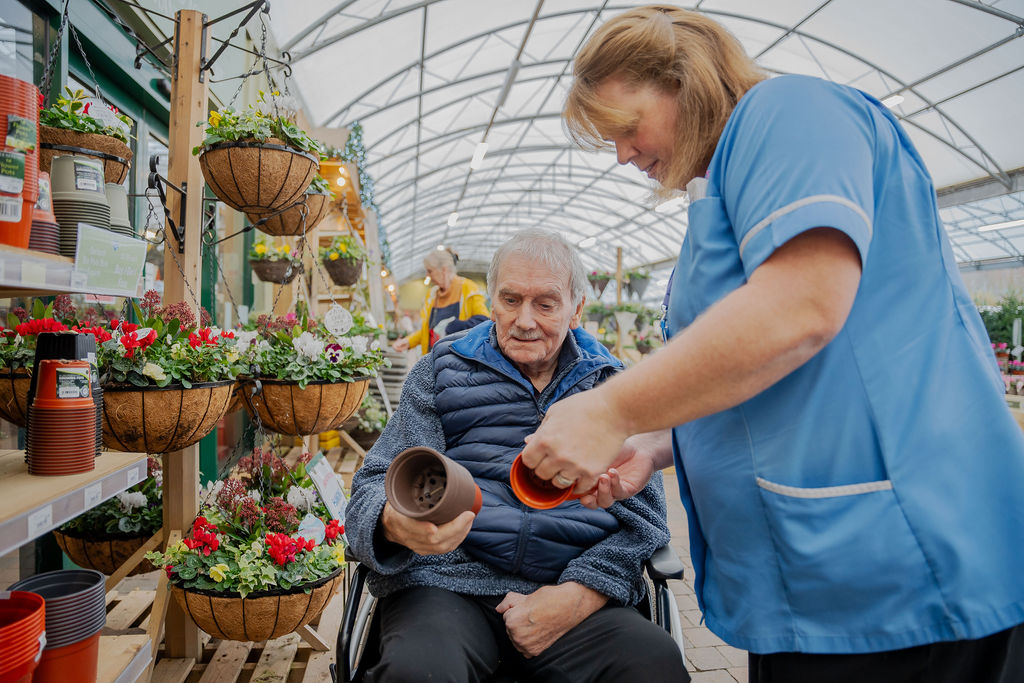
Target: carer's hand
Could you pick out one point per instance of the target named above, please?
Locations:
(537, 620)
(640, 456)
(579, 439)
(425, 538)
(401, 344)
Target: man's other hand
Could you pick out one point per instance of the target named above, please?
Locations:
(425, 538)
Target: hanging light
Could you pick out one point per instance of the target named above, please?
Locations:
(440, 247)
(391, 288)
(341, 181)
(1001, 226)
(453, 218)
(426, 280)
(893, 101)
(478, 155)
(383, 272)
(588, 242)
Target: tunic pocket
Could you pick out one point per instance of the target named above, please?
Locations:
(848, 559)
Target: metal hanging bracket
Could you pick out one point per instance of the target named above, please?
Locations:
(157, 182)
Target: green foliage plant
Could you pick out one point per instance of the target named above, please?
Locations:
(345, 247)
(254, 123)
(71, 112)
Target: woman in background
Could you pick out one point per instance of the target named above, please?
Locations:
(454, 303)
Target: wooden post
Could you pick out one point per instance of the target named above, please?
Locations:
(618, 299)
(189, 103)
(373, 266)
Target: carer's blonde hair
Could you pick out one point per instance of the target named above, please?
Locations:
(681, 52)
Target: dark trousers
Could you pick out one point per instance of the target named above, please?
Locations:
(429, 634)
(998, 658)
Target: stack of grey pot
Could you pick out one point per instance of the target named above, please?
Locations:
(79, 196)
(117, 198)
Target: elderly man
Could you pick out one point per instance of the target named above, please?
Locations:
(544, 595)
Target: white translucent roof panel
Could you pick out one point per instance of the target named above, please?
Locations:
(430, 79)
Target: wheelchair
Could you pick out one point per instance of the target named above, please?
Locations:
(360, 632)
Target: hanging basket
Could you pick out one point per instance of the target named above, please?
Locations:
(599, 286)
(14, 388)
(161, 419)
(257, 177)
(644, 347)
(365, 439)
(637, 286)
(103, 552)
(115, 155)
(257, 616)
(278, 272)
(235, 402)
(343, 272)
(289, 222)
(286, 409)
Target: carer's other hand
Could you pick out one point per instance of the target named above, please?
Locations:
(425, 538)
(637, 460)
(401, 344)
(537, 620)
(579, 439)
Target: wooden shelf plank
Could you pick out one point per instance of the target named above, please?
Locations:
(33, 505)
(123, 659)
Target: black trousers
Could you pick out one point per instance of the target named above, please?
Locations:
(430, 634)
(998, 658)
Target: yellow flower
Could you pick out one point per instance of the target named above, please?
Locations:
(343, 248)
(286, 248)
(334, 256)
(601, 331)
(339, 554)
(260, 248)
(276, 93)
(215, 118)
(217, 572)
(154, 371)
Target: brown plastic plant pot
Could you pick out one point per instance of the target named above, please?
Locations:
(14, 388)
(289, 223)
(103, 552)
(257, 616)
(284, 408)
(161, 419)
(115, 155)
(257, 177)
(426, 485)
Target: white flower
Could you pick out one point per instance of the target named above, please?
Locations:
(369, 319)
(178, 352)
(345, 342)
(338, 320)
(154, 371)
(132, 499)
(308, 346)
(244, 339)
(301, 498)
(359, 345)
(255, 495)
(210, 491)
(232, 355)
(375, 345)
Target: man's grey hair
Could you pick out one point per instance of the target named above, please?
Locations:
(440, 259)
(544, 247)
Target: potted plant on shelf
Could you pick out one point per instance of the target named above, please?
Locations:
(247, 572)
(637, 281)
(343, 259)
(17, 355)
(302, 216)
(599, 280)
(77, 125)
(255, 160)
(104, 537)
(166, 381)
(313, 373)
(273, 262)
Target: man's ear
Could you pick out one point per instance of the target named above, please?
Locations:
(577, 316)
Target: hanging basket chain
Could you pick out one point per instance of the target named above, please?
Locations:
(85, 58)
(51, 61)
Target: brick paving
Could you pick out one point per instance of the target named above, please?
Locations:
(708, 659)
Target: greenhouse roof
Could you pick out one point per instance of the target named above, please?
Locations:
(431, 79)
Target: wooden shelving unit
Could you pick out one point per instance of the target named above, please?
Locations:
(123, 658)
(29, 273)
(32, 505)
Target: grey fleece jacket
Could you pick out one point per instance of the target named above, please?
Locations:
(612, 567)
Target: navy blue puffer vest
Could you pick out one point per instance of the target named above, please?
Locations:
(487, 408)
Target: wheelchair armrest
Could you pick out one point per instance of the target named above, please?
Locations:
(355, 592)
(664, 564)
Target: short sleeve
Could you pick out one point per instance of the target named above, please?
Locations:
(797, 154)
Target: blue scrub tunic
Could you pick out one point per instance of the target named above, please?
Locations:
(870, 500)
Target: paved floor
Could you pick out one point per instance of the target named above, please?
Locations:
(708, 659)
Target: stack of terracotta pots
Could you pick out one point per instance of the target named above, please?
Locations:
(19, 170)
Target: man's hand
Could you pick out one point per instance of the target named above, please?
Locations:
(640, 456)
(537, 620)
(401, 344)
(425, 538)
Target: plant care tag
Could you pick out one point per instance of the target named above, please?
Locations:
(88, 175)
(328, 485)
(338, 320)
(21, 133)
(44, 203)
(93, 495)
(313, 529)
(73, 383)
(10, 209)
(105, 114)
(40, 521)
(12, 172)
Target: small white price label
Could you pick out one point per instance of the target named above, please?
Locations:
(40, 521)
(78, 279)
(133, 476)
(93, 495)
(33, 273)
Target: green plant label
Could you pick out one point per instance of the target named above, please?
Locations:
(328, 485)
(43, 203)
(21, 133)
(72, 383)
(88, 175)
(12, 172)
(10, 209)
(109, 262)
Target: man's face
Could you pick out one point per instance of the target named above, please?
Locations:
(532, 312)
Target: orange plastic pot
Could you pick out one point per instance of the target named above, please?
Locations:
(536, 492)
(74, 663)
